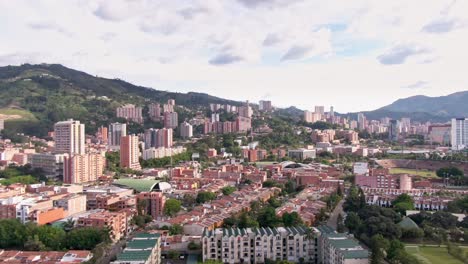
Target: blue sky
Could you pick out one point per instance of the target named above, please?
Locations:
(355, 55)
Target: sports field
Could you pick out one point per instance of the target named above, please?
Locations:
(432, 255)
(421, 173)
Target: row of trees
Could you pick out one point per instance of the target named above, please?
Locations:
(15, 235)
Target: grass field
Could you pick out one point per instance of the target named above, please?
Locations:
(432, 255)
(422, 173)
(12, 114)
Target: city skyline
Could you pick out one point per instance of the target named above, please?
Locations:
(399, 49)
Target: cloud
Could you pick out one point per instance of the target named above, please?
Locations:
(400, 53)
(297, 52)
(108, 36)
(190, 13)
(440, 26)
(417, 85)
(267, 3)
(161, 23)
(271, 40)
(20, 58)
(119, 10)
(225, 58)
(52, 26)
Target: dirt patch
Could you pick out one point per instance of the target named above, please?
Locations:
(10, 117)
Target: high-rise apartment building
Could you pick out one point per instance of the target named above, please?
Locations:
(116, 132)
(246, 110)
(69, 137)
(186, 130)
(130, 112)
(154, 111)
(156, 138)
(440, 134)
(265, 106)
(154, 202)
(320, 109)
(82, 168)
(362, 121)
(459, 133)
(129, 152)
(312, 117)
(171, 120)
(102, 134)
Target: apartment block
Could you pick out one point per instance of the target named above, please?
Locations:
(171, 120)
(130, 112)
(154, 201)
(459, 133)
(130, 152)
(116, 132)
(142, 249)
(338, 248)
(154, 111)
(83, 168)
(116, 222)
(51, 164)
(69, 137)
(255, 245)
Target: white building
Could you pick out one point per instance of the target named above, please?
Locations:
(255, 245)
(186, 130)
(459, 133)
(69, 137)
(338, 248)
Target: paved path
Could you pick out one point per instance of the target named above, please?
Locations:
(333, 220)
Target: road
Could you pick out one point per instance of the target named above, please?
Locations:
(333, 220)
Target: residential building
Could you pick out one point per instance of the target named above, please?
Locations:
(157, 153)
(459, 133)
(440, 134)
(186, 130)
(171, 120)
(256, 245)
(141, 249)
(265, 106)
(154, 111)
(320, 110)
(157, 138)
(72, 204)
(130, 152)
(116, 132)
(243, 124)
(338, 248)
(83, 168)
(246, 110)
(116, 222)
(130, 112)
(45, 257)
(50, 164)
(69, 137)
(154, 202)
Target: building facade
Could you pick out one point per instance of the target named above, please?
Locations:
(130, 152)
(255, 245)
(116, 132)
(69, 137)
(459, 133)
(130, 112)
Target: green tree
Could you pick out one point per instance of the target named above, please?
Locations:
(353, 222)
(228, 190)
(403, 203)
(52, 237)
(172, 207)
(176, 229)
(246, 221)
(203, 197)
(379, 248)
(267, 217)
(86, 238)
(291, 219)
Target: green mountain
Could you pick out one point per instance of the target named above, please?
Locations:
(34, 97)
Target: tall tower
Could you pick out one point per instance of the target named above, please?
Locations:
(129, 152)
(459, 133)
(69, 137)
(116, 132)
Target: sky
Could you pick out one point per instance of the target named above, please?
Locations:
(354, 55)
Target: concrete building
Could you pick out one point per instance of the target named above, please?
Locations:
(255, 245)
(320, 109)
(459, 133)
(50, 164)
(116, 222)
(157, 153)
(265, 106)
(341, 249)
(130, 152)
(154, 202)
(246, 110)
(186, 130)
(69, 137)
(83, 168)
(72, 204)
(158, 138)
(171, 120)
(302, 154)
(141, 249)
(243, 124)
(130, 112)
(154, 111)
(393, 130)
(116, 132)
(440, 134)
(312, 117)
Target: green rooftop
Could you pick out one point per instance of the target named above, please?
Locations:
(356, 254)
(141, 244)
(408, 223)
(134, 255)
(137, 184)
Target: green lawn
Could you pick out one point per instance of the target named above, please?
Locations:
(422, 173)
(432, 255)
(23, 114)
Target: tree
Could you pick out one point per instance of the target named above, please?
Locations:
(339, 224)
(355, 200)
(228, 190)
(188, 200)
(193, 246)
(247, 221)
(52, 237)
(322, 216)
(353, 222)
(379, 247)
(69, 225)
(86, 238)
(172, 207)
(291, 219)
(34, 244)
(172, 254)
(267, 217)
(444, 220)
(176, 229)
(203, 197)
(274, 202)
